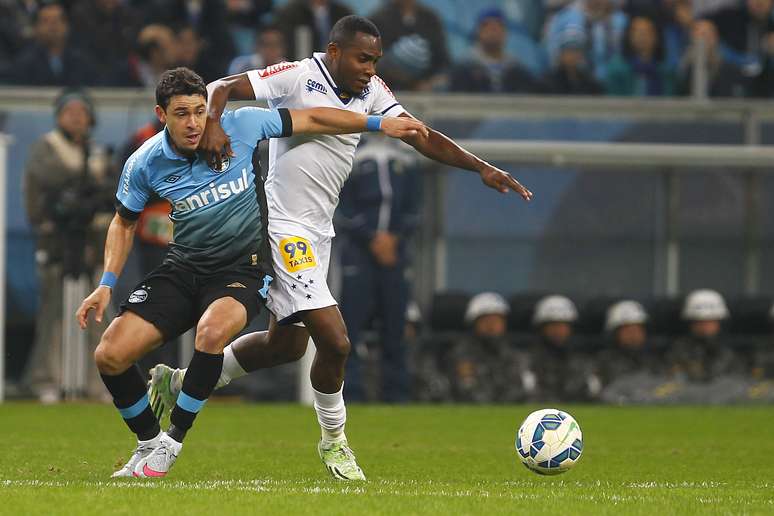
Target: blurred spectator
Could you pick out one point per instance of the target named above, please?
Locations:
(747, 32)
(378, 213)
(490, 68)
(628, 370)
(269, 50)
(571, 75)
(208, 20)
(558, 370)
(414, 42)
(107, 29)
(747, 28)
(601, 26)
(677, 31)
(243, 16)
(15, 29)
(68, 197)
(316, 16)
(724, 78)
(51, 60)
(193, 52)
(156, 51)
(425, 356)
(702, 355)
(640, 70)
(484, 366)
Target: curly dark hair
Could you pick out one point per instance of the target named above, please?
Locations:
(179, 81)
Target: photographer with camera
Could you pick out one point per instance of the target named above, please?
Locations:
(68, 199)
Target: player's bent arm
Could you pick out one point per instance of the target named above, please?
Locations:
(219, 92)
(439, 147)
(118, 244)
(339, 121)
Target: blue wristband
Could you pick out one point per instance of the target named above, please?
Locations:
(374, 123)
(109, 279)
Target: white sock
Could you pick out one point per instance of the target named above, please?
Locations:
(331, 414)
(231, 368)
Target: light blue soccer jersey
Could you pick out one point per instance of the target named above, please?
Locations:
(216, 215)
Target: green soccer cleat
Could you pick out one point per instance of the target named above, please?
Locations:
(163, 388)
(340, 461)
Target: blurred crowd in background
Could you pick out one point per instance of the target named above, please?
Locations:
(587, 47)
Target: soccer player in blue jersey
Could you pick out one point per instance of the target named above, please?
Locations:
(217, 265)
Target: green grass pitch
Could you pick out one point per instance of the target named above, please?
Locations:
(262, 459)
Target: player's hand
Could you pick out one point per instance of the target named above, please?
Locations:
(384, 247)
(401, 127)
(97, 301)
(215, 144)
(502, 181)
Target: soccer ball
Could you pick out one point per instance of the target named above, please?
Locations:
(549, 442)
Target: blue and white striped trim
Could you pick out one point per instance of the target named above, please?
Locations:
(136, 409)
(186, 402)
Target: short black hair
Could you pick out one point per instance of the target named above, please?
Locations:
(179, 81)
(343, 32)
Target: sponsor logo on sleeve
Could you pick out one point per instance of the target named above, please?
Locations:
(275, 69)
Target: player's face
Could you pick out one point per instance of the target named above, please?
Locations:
(185, 118)
(355, 63)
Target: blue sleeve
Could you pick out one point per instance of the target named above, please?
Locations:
(251, 124)
(133, 190)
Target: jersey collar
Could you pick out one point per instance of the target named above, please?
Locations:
(169, 151)
(344, 98)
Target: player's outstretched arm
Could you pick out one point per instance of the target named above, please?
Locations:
(117, 246)
(339, 121)
(443, 149)
(214, 142)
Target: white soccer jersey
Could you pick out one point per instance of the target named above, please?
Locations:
(306, 173)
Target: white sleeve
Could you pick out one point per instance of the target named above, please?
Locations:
(275, 81)
(384, 102)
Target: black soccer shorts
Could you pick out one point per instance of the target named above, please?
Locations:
(174, 299)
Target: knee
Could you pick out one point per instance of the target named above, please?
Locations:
(108, 357)
(211, 338)
(338, 348)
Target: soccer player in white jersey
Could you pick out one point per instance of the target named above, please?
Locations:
(304, 180)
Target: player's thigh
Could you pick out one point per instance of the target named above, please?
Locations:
(128, 338)
(288, 340)
(327, 329)
(221, 320)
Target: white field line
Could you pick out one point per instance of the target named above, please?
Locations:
(610, 494)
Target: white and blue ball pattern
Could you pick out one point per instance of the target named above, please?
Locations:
(549, 442)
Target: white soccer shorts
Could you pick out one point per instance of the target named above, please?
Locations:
(300, 259)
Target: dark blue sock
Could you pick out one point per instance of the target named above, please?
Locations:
(131, 400)
(200, 380)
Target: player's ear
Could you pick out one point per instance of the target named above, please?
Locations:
(333, 50)
(161, 114)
